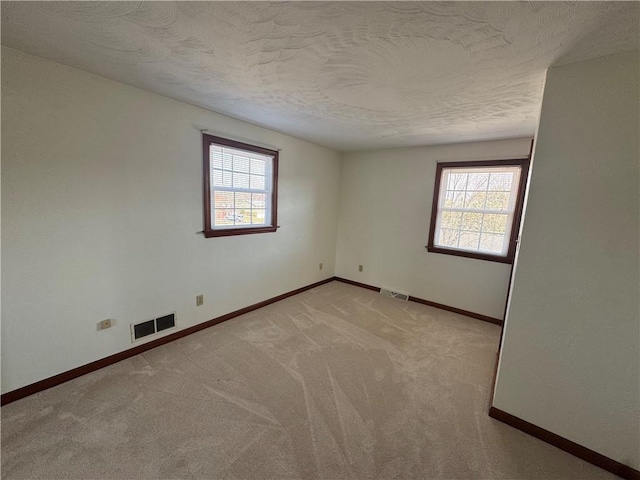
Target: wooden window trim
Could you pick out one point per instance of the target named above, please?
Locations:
(209, 232)
(523, 163)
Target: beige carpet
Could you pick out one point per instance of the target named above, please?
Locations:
(337, 382)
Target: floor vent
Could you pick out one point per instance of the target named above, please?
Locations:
(155, 325)
(393, 294)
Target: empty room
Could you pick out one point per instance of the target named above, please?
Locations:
(320, 240)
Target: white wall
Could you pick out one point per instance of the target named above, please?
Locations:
(385, 208)
(571, 352)
(101, 202)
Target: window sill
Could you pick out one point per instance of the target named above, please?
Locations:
(478, 256)
(238, 231)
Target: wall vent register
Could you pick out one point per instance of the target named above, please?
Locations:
(155, 325)
(394, 294)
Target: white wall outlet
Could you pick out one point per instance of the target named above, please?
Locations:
(199, 300)
(359, 268)
(104, 324)
(320, 267)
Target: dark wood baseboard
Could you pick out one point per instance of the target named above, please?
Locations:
(579, 451)
(568, 446)
(103, 362)
(357, 284)
(466, 313)
(63, 377)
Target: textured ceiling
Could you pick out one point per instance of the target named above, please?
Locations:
(348, 75)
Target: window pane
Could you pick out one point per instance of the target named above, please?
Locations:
(451, 220)
(230, 216)
(221, 179)
(243, 200)
(472, 221)
(258, 166)
(469, 240)
(240, 164)
(223, 200)
(501, 181)
(497, 201)
(491, 243)
(475, 200)
(239, 217)
(454, 199)
(227, 163)
(258, 200)
(258, 216)
(215, 157)
(223, 217)
(240, 180)
(457, 181)
(448, 237)
(257, 182)
(495, 223)
(477, 181)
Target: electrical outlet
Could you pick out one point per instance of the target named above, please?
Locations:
(104, 324)
(199, 300)
(321, 266)
(359, 268)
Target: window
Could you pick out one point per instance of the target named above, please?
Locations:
(240, 188)
(477, 208)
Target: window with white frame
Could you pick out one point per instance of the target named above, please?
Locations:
(477, 208)
(240, 187)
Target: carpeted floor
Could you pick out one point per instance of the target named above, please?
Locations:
(337, 382)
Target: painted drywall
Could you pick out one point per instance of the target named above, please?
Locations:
(571, 350)
(385, 208)
(101, 202)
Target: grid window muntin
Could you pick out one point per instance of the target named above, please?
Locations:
(477, 207)
(240, 187)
